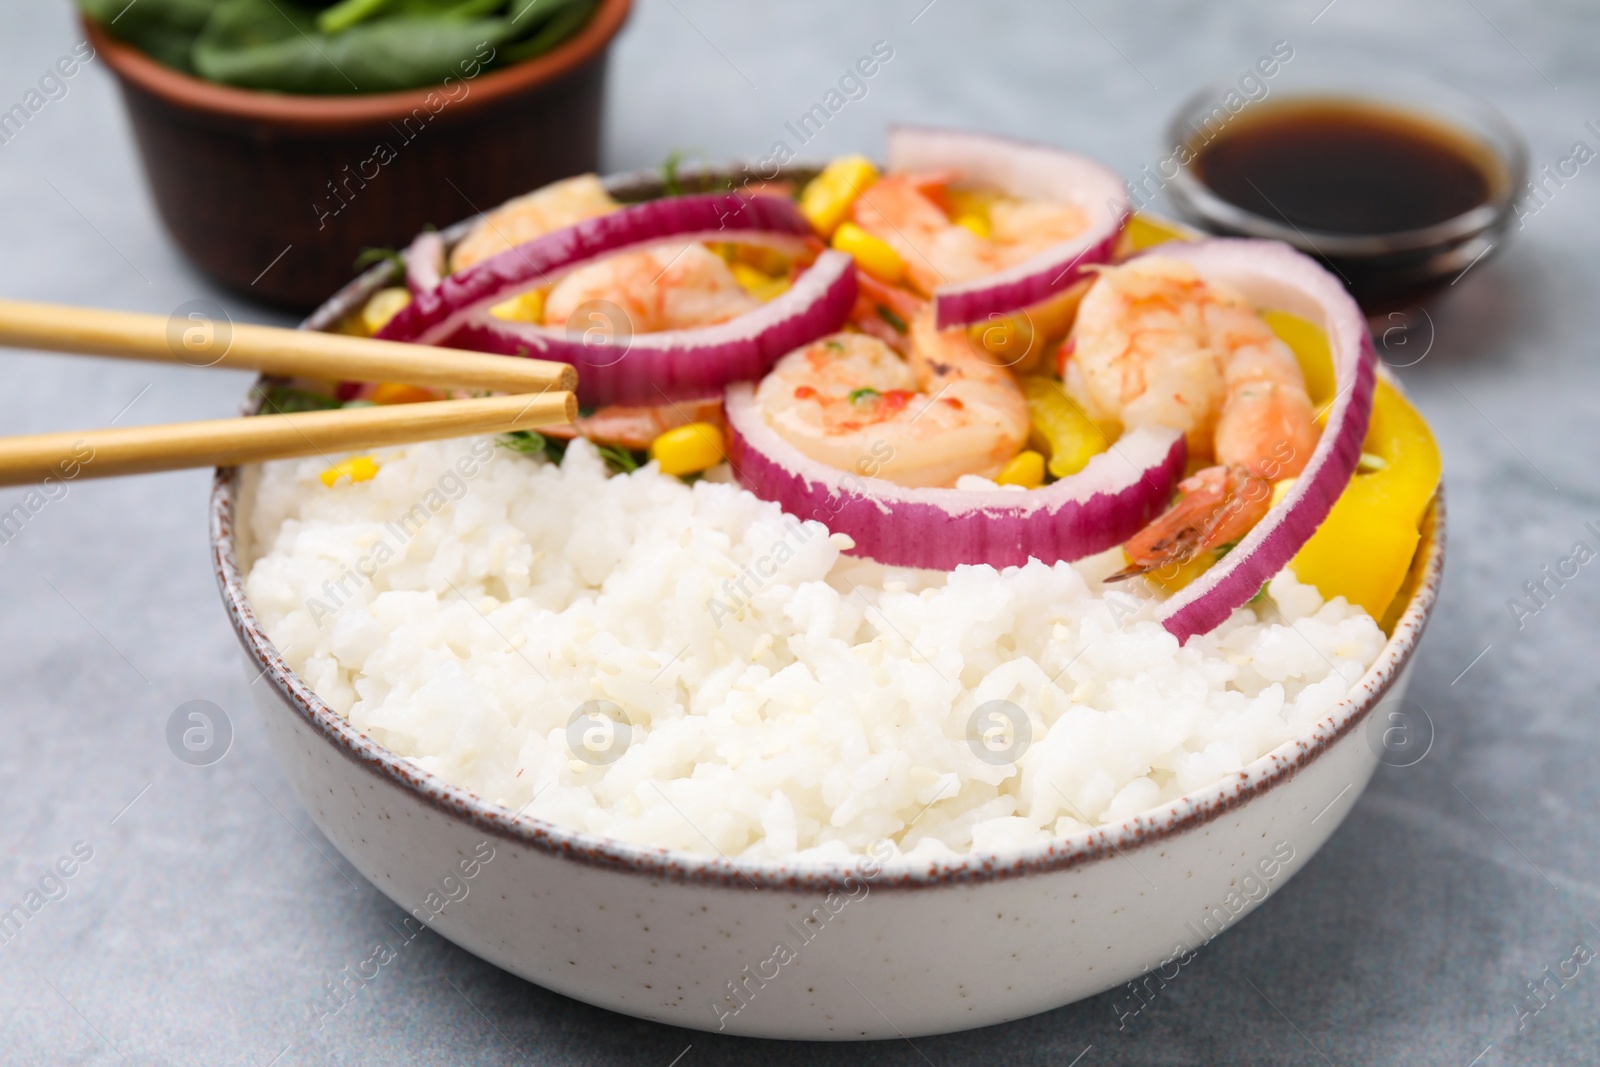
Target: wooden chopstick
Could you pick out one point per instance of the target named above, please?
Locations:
(226, 442)
(202, 342)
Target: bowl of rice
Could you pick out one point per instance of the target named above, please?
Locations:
(662, 747)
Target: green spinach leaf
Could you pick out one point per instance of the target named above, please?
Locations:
(352, 46)
(546, 23)
(165, 29)
(271, 44)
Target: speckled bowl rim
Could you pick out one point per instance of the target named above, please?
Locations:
(1149, 828)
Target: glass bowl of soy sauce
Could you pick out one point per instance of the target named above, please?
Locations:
(1399, 188)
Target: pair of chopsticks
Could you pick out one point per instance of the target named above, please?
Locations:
(542, 393)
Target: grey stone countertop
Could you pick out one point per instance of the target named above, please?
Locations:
(211, 910)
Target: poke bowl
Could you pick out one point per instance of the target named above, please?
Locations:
(865, 837)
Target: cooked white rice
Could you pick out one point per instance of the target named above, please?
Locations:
(785, 700)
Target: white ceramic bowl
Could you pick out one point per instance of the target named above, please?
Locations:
(817, 952)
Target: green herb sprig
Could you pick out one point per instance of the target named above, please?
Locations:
(533, 443)
(287, 400)
(895, 321)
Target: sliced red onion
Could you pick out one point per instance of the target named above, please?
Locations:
(650, 367)
(1273, 275)
(425, 262)
(1025, 170)
(1102, 505)
(437, 313)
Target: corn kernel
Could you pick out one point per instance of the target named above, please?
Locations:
(1281, 490)
(758, 284)
(871, 255)
(382, 306)
(688, 449)
(524, 307)
(1025, 469)
(828, 197)
(356, 468)
(400, 393)
(976, 223)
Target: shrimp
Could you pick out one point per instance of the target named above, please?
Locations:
(668, 287)
(851, 402)
(635, 426)
(885, 311)
(1028, 227)
(542, 211)
(902, 210)
(1156, 345)
(1215, 506)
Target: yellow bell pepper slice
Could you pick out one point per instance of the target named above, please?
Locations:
(965, 202)
(382, 306)
(978, 224)
(1010, 339)
(1060, 428)
(773, 261)
(1402, 599)
(1146, 231)
(1363, 549)
(1022, 339)
(1172, 577)
(1412, 467)
(758, 283)
(524, 307)
(1357, 553)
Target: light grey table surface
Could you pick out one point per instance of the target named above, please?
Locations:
(212, 910)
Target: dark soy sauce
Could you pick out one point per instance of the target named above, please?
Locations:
(1348, 168)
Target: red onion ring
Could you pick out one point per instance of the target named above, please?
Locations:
(437, 313)
(1021, 169)
(672, 364)
(1273, 275)
(425, 262)
(1100, 506)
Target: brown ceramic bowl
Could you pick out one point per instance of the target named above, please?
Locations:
(275, 194)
